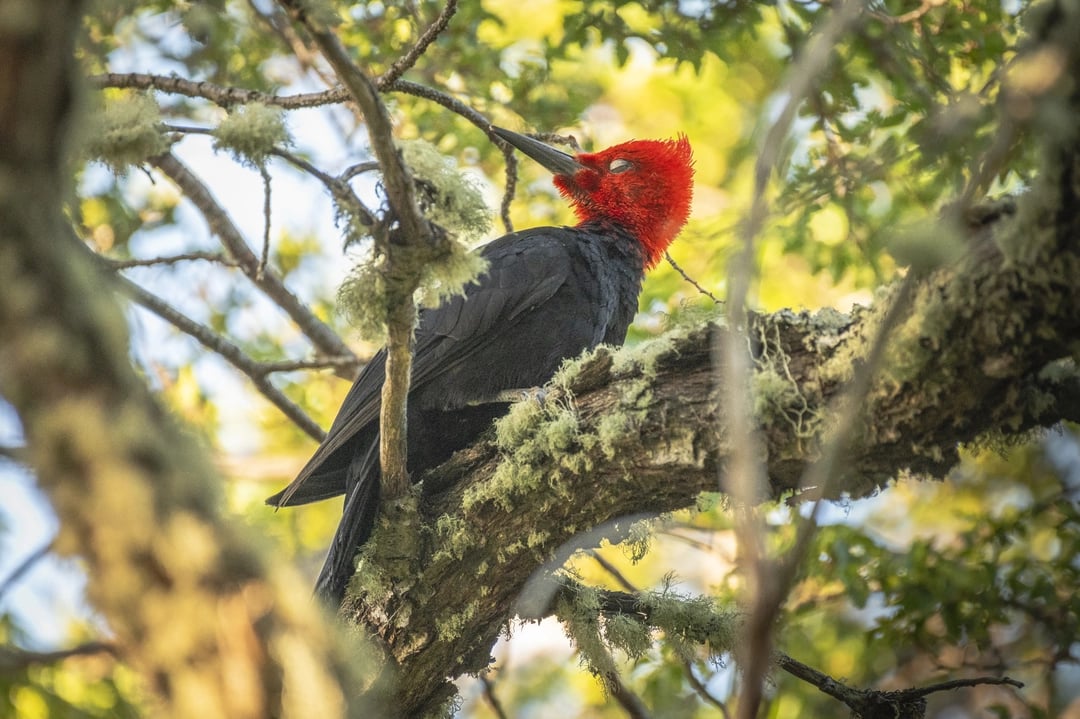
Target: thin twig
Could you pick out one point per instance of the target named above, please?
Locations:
(339, 188)
(690, 279)
(703, 691)
(25, 566)
(186, 129)
(960, 684)
(613, 571)
(218, 94)
(745, 474)
(13, 660)
(229, 351)
(324, 338)
(409, 59)
(353, 170)
(215, 257)
(350, 365)
(555, 138)
(872, 702)
(260, 273)
(626, 697)
(489, 694)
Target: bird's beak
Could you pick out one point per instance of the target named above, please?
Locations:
(558, 162)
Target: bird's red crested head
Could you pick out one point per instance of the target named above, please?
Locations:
(643, 185)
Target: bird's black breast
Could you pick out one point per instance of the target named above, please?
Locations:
(548, 295)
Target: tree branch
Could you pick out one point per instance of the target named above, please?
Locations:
(14, 660)
(403, 63)
(324, 338)
(404, 255)
(648, 414)
(877, 704)
(257, 372)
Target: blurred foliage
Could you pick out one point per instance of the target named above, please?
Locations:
(75, 688)
(916, 585)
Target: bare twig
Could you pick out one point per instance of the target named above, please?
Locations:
(324, 338)
(409, 59)
(216, 257)
(691, 280)
(613, 571)
(260, 273)
(339, 187)
(745, 474)
(13, 660)
(626, 697)
(229, 351)
(871, 702)
(703, 691)
(353, 170)
(555, 138)
(348, 366)
(25, 566)
(489, 694)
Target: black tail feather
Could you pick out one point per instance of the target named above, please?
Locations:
(357, 522)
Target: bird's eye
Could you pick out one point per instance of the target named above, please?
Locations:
(618, 166)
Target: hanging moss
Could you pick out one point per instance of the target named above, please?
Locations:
(251, 132)
(447, 197)
(126, 132)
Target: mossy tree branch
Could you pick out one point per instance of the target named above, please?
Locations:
(406, 240)
(986, 346)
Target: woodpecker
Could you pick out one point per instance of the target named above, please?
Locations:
(548, 294)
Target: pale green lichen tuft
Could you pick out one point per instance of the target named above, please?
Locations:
(644, 357)
(251, 132)
(362, 300)
(695, 620)
(448, 277)
(454, 538)
(530, 435)
(450, 628)
(628, 634)
(126, 132)
(581, 619)
(612, 431)
(638, 540)
(447, 197)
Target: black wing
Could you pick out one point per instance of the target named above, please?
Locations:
(525, 269)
